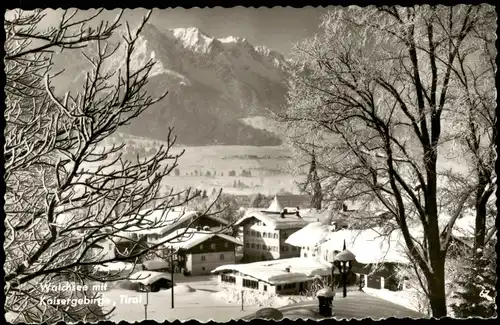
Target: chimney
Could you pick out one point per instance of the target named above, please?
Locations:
(344, 207)
(288, 269)
(283, 212)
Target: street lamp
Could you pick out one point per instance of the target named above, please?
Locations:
(343, 261)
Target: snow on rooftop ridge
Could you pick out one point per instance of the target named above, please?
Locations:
(300, 269)
(311, 235)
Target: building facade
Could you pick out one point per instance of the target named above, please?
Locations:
(264, 233)
(262, 242)
(286, 276)
(208, 255)
(198, 252)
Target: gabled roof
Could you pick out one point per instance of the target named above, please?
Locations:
(311, 235)
(274, 220)
(161, 221)
(188, 238)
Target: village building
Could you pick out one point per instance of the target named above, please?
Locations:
(197, 252)
(158, 223)
(377, 255)
(264, 232)
(284, 276)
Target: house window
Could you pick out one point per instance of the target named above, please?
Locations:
(305, 255)
(253, 245)
(252, 233)
(275, 236)
(226, 244)
(294, 249)
(258, 246)
(203, 268)
(278, 287)
(285, 235)
(222, 256)
(228, 278)
(265, 288)
(264, 247)
(212, 246)
(264, 235)
(263, 224)
(247, 232)
(250, 284)
(201, 246)
(203, 258)
(289, 286)
(247, 245)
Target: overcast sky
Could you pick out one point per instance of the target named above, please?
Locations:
(277, 28)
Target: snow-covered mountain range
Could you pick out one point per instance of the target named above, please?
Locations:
(214, 86)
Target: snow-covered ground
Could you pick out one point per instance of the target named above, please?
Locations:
(255, 298)
(199, 305)
(197, 297)
(403, 298)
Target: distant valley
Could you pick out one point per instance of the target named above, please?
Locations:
(241, 170)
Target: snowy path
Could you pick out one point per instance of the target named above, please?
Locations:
(356, 305)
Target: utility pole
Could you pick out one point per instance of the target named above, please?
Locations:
(242, 300)
(172, 272)
(146, 304)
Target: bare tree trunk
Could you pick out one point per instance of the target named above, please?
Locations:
(436, 289)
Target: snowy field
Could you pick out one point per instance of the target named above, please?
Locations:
(194, 298)
(197, 297)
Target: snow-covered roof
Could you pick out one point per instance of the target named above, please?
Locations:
(156, 264)
(148, 277)
(275, 272)
(464, 226)
(314, 215)
(311, 235)
(161, 221)
(369, 246)
(115, 267)
(188, 238)
(274, 220)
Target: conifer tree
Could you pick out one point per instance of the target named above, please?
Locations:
(477, 296)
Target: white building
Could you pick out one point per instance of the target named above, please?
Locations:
(264, 232)
(199, 252)
(156, 224)
(285, 276)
